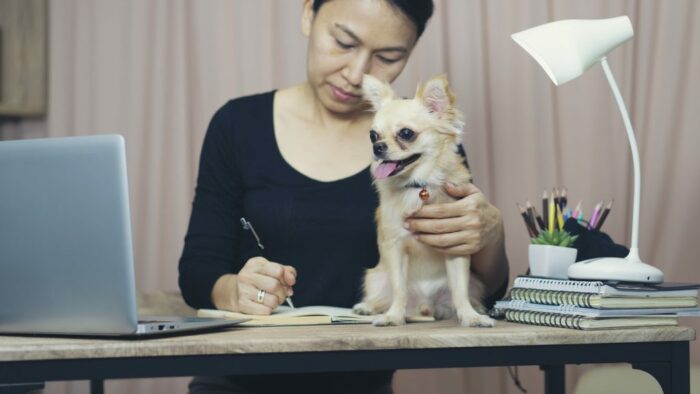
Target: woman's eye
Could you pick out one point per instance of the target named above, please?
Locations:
(373, 136)
(387, 60)
(406, 134)
(343, 45)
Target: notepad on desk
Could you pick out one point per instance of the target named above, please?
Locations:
(303, 316)
(573, 310)
(608, 289)
(592, 300)
(589, 323)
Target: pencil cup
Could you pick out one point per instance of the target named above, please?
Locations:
(550, 261)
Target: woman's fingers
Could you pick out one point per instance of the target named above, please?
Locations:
(469, 241)
(442, 226)
(250, 294)
(274, 289)
(251, 307)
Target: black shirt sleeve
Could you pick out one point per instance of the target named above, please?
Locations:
(213, 229)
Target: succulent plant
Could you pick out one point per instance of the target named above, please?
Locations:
(555, 238)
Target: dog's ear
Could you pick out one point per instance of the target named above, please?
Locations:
(436, 95)
(375, 91)
(438, 98)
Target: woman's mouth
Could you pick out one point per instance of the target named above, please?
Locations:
(389, 168)
(342, 95)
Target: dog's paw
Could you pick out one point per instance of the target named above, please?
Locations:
(363, 308)
(389, 320)
(476, 320)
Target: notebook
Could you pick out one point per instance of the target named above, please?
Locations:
(606, 289)
(592, 300)
(584, 323)
(66, 264)
(519, 305)
(303, 316)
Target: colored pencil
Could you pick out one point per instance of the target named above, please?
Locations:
(530, 230)
(550, 214)
(563, 200)
(577, 210)
(545, 207)
(604, 215)
(594, 215)
(540, 222)
(531, 214)
(560, 218)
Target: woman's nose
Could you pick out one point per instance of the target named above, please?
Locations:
(358, 66)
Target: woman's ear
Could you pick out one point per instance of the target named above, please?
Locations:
(435, 95)
(375, 91)
(307, 17)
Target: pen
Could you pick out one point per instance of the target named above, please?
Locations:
(247, 225)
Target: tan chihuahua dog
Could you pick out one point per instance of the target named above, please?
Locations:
(415, 153)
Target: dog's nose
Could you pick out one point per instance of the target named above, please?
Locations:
(379, 149)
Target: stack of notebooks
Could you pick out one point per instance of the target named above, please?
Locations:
(592, 305)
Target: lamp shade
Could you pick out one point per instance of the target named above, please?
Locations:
(566, 49)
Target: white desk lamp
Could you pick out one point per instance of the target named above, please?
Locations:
(565, 50)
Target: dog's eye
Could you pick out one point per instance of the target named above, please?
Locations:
(406, 134)
(373, 136)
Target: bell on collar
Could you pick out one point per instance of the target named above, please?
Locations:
(424, 194)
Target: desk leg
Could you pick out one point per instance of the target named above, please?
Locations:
(673, 376)
(554, 379)
(97, 386)
(20, 388)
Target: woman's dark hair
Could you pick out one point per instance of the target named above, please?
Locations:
(418, 11)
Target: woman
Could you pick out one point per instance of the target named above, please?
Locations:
(294, 163)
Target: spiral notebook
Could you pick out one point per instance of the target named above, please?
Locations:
(572, 310)
(586, 323)
(592, 300)
(608, 289)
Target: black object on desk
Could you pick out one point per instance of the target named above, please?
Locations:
(592, 243)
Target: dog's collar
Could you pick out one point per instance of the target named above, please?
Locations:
(416, 185)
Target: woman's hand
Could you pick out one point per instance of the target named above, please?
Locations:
(240, 292)
(462, 227)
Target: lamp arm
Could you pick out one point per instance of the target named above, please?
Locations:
(634, 251)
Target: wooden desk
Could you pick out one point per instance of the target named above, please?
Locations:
(663, 352)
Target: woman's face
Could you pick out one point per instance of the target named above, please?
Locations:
(349, 38)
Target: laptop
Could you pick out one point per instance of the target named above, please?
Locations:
(66, 262)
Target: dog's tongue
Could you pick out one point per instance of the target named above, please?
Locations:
(384, 169)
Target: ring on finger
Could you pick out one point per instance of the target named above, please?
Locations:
(261, 296)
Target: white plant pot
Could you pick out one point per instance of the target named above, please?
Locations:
(550, 261)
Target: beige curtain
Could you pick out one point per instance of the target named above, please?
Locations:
(156, 70)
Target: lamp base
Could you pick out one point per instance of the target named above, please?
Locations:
(615, 269)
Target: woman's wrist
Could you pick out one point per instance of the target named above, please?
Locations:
(224, 294)
(491, 262)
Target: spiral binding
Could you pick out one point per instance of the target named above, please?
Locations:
(544, 319)
(552, 297)
(576, 286)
